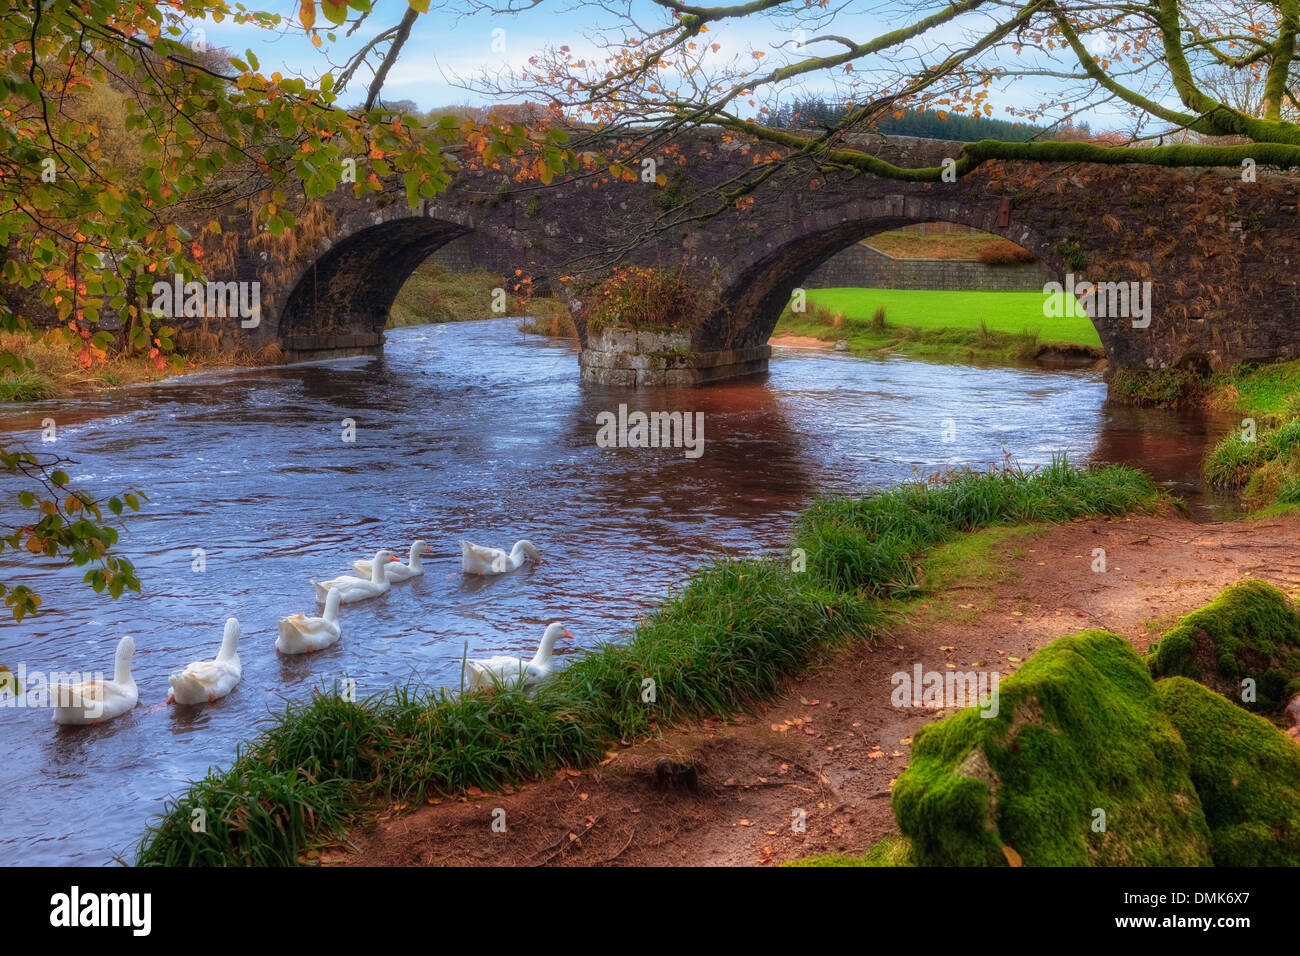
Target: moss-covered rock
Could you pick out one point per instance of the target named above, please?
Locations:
(1250, 630)
(1246, 773)
(1079, 729)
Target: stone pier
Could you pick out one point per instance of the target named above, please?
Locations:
(310, 348)
(626, 357)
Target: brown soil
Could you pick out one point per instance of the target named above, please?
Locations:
(832, 745)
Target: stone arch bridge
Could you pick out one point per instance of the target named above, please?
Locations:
(1220, 254)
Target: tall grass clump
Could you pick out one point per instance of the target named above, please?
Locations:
(26, 385)
(871, 545)
(722, 642)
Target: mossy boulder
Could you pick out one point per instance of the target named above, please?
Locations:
(1079, 728)
(1246, 773)
(1251, 630)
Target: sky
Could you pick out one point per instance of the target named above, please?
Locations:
(448, 49)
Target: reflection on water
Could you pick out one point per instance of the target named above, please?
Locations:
(471, 431)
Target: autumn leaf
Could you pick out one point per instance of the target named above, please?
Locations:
(307, 13)
(1013, 858)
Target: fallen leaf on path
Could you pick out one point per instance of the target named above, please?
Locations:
(905, 740)
(745, 823)
(474, 791)
(1013, 858)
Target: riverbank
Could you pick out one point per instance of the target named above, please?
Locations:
(63, 366)
(722, 644)
(831, 744)
(972, 327)
(1260, 458)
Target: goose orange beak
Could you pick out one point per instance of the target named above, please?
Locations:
(568, 634)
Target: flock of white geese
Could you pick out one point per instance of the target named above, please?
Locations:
(96, 701)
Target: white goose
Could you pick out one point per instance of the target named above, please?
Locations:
(94, 701)
(480, 560)
(300, 634)
(399, 572)
(353, 589)
(206, 681)
(511, 671)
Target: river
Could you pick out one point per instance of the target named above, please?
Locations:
(468, 430)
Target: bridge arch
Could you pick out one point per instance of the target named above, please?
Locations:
(340, 298)
(753, 294)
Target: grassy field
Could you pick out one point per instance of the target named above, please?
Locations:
(1011, 312)
(970, 327)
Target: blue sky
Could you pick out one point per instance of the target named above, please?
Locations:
(447, 48)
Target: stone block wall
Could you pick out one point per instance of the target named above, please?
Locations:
(626, 357)
(861, 266)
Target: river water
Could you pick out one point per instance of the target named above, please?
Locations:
(470, 430)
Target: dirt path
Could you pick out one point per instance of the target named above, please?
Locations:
(832, 744)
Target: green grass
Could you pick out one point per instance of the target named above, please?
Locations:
(1079, 728)
(869, 544)
(893, 850)
(26, 386)
(1267, 465)
(720, 644)
(1009, 313)
(1251, 630)
(1264, 390)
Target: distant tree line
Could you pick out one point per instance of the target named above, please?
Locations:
(930, 124)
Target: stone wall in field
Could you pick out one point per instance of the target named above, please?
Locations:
(861, 266)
